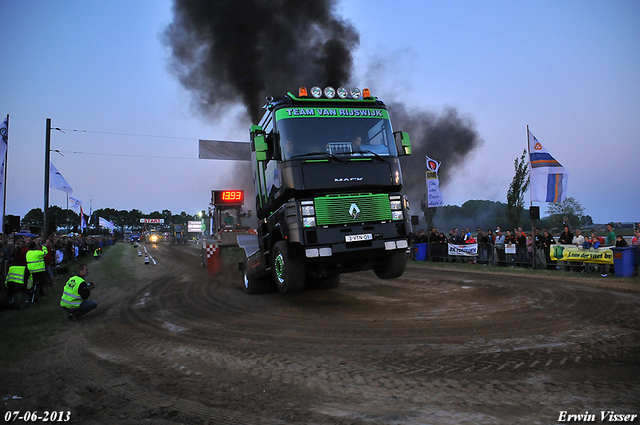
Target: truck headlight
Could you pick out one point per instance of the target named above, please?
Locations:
(396, 205)
(308, 210)
(309, 221)
(397, 215)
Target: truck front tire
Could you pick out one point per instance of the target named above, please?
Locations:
(253, 285)
(393, 266)
(288, 271)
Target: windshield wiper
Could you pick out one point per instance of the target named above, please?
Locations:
(371, 152)
(327, 154)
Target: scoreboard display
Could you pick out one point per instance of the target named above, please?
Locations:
(227, 197)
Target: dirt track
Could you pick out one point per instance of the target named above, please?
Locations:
(174, 345)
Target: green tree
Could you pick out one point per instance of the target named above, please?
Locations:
(62, 218)
(517, 189)
(569, 209)
(35, 217)
(586, 220)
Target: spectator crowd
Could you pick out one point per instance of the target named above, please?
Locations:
(519, 248)
(60, 253)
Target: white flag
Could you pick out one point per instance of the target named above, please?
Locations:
(106, 223)
(548, 177)
(57, 181)
(434, 195)
(75, 203)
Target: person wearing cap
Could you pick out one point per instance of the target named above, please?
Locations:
(76, 293)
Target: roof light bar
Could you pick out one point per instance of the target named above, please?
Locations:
(330, 93)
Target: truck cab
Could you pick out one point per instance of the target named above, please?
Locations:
(327, 177)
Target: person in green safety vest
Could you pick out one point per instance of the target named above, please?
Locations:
(18, 279)
(97, 253)
(35, 264)
(76, 293)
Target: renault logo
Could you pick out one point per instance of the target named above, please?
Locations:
(354, 211)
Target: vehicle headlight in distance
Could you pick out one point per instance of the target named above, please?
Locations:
(308, 210)
(396, 205)
(309, 221)
(397, 215)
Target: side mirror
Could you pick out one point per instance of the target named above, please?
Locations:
(405, 143)
(273, 141)
(259, 142)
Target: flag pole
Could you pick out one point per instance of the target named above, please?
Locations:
(4, 195)
(533, 222)
(67, 212)
(47, 159)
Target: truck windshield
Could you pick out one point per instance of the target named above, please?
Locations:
(335, 137)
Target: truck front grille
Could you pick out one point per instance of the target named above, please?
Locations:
(338, 209)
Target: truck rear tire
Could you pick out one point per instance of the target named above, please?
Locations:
(393, 267)
(288, 271)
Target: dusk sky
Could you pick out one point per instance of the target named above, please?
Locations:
(100, 70)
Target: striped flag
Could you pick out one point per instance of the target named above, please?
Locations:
(83, 223)
(548, 176)
(74, 202)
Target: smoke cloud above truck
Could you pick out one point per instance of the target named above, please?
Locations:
(244, 50)
(241, 51)
(447, 137)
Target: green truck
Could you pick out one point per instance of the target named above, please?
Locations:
(327, 177)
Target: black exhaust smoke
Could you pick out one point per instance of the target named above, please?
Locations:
(244, 50)
(230, 51)
(447, 137)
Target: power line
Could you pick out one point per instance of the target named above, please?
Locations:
(118, 154)
(125, 134)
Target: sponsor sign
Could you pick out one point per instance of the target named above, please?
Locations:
(195, 226)
(434, 194)
(575, 254)
(469, 250)
(152, 220)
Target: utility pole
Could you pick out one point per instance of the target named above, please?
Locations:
(4, 183)
(47, 159)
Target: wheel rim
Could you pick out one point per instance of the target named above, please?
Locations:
(279, 267)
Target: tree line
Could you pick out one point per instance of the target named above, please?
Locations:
(490, 214)
(68, 219)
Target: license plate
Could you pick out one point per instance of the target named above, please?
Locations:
(356, 238)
